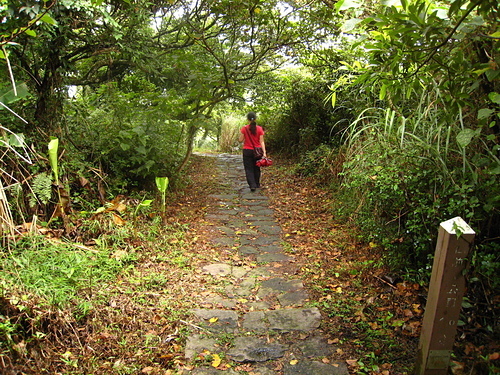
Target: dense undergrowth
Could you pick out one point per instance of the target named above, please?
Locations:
(117, 304)
(374, 309)
(95, 306)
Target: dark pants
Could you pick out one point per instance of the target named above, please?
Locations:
(251, 170)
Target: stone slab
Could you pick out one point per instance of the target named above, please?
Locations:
(196, 344)
(211, 371)
(224, 241)
(219, 301)
(281, 285)
(223, 197)
(259, 211)
(253, 196)
(227, 320)
(248, 250)
(271, 249)
(218, 269)
(295, 298)
(255, 321)
(253, 349)
(270, 257)
(226, 230)
(269, 229)
(294, 319)
(257, 241)
(316, 368)
(315, 346)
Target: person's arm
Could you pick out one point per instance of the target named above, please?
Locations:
(263, 145)
(242, 137)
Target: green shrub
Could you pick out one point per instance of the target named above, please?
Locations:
(403, 177)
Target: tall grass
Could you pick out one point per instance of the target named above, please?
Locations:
(230, 131)
(403, 175)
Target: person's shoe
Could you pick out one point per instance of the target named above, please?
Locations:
(252, 189)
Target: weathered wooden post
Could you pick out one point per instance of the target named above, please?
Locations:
(446, 290)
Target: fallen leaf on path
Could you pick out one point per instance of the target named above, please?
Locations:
(216, 360)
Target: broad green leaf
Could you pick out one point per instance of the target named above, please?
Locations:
(390, 3)
(484, 113)
(494, 97)
(350, 24)
(162, 183)
(383, 92)
(30, 32)
(48, 19)
(124, 146)
(348, 4)
(53, 147)
(16, 140)
(492, 74)
(7, 95)
(339, 4)
(495, 34)
(146, 203)
(464, 138)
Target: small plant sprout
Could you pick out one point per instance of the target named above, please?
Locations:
(162, 185)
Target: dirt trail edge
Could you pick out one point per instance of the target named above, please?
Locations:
(258, 315)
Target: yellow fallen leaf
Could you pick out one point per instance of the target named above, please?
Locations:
(293, 362)
(216, 360)
(118, 220)
(213, 320)
(242, 300)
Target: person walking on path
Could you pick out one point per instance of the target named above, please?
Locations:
(252, 136)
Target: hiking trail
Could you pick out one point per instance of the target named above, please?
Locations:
(259, 316)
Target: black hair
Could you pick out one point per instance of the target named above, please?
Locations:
(251, 116)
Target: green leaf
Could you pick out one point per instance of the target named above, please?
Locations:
(16, 140)
(350, 24)
(30, 32)
(494, 97)
(492, 74)
(495, 34)
(48, 19)
(53, 147)
(383, 92)
(334, 98)
(8, 95)
(125, 146)
(146, 203)
(464, 138)
(348, 4)
(484, 113)
(162, 183)
(339, 4)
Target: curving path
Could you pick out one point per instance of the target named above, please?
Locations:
(260, 317)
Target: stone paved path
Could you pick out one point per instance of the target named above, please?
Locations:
(260, 316)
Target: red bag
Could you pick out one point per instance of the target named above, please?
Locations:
(264, 162)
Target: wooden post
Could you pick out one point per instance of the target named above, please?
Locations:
(444, 300)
